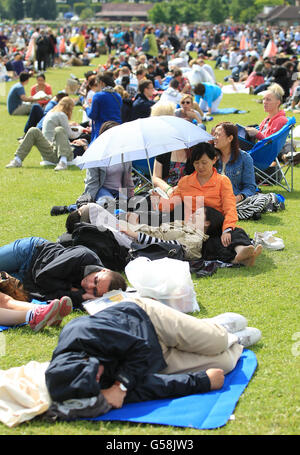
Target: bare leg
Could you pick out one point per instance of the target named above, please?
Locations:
(12, 317)
(9, 303)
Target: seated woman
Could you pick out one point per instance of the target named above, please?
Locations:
(106, 104)
(187, 110)
(233, 162)
(105, 183)
(276, 118)
(205, 187)
(41, 86)
(168, 169)
(53, 141)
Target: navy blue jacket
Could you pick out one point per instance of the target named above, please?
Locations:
(141, 107)
(123, 339)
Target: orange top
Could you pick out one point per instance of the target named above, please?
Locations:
(217, 193)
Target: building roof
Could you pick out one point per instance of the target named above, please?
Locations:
(283, 12)
(125, 9)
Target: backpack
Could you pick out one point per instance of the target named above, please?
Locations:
(156, 251)
(103, 243)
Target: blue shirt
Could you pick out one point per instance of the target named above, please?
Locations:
(240, 173)
(105, 106)
(13, 98)
(212, 92)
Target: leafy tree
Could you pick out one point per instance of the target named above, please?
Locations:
(158, 14)
(87, 13)
(38, 9)
(215, 11)
(16, 9)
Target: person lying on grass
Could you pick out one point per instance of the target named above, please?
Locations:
(139, 350)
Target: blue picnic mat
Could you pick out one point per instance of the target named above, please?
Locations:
(229, 110)
(201, 411)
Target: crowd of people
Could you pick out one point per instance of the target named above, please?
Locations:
(149, 71)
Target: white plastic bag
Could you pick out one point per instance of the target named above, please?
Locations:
(167, 280)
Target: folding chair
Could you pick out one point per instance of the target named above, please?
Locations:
(266, 151)
(141, 175)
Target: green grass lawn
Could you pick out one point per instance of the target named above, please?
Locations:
(268, 294)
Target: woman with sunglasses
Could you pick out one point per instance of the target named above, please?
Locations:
(188, 112)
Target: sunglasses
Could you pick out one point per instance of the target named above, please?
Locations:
(3, 277)
(185, 102)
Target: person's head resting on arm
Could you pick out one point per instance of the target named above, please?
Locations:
(96, 284)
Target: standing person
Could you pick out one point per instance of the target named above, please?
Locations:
(150, 38)
(43, 50)
(236, 164)
(106, 104)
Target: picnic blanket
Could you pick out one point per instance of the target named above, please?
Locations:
(24, 395)
(229, 110)
(202, 411)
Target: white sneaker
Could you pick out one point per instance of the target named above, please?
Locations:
(61, 166)
(232, 322)
(248, 336)
(267, 240)
(47, 163)
(14, 163)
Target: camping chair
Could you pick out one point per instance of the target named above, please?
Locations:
(141, 175)
(266, 151)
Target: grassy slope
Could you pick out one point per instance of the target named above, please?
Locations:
(268, 295)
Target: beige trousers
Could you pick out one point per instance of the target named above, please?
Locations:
(49, 151)
(189, 343)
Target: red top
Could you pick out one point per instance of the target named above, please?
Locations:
(47, 89)
(271, 125)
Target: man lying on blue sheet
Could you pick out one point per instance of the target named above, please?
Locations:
(141, 350)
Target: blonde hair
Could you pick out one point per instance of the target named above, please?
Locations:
(121, 90)
(277, 90)
(187, 95)
(65, 105)
(163, 109)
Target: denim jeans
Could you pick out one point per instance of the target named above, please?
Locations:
(15, 257)
(104, 193)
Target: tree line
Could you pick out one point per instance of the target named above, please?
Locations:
(168, 12)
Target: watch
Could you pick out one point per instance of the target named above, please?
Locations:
(122, 387)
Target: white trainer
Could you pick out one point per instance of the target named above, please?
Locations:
(232, 322)
(61, 166)
(267, 240)
(14, 163)
(248, 336)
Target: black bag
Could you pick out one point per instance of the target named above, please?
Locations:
(103, 243)
(156, 251)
